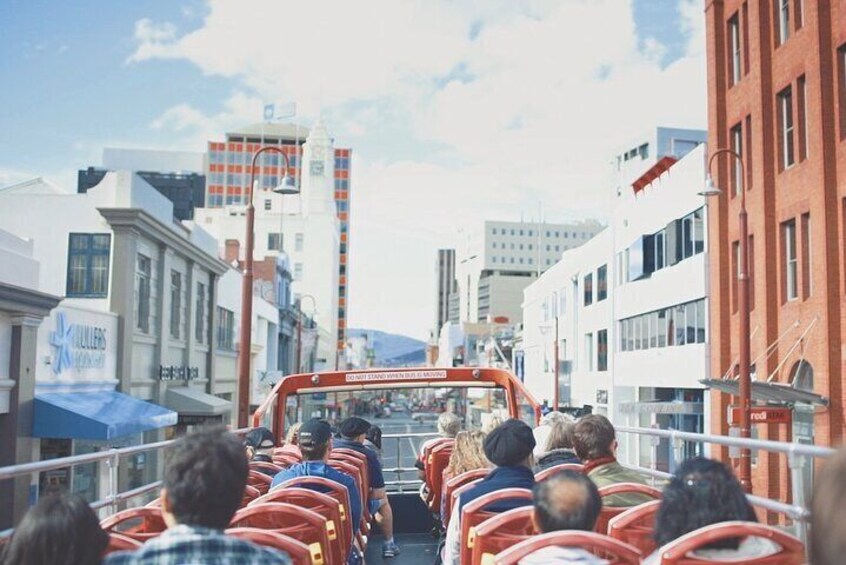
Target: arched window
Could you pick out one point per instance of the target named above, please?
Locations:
(802, 376)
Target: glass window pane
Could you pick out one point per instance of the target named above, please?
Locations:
(690, 310)
(681, 326)
(700, 321)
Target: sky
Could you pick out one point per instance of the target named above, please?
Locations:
(457, 111)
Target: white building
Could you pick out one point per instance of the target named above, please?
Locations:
(123, 159)
(630, 305)
(306, 226)
(499, 260)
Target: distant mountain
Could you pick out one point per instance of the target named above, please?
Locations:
(392, 349)
(414, 358)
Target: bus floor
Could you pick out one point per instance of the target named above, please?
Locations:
(412, 533)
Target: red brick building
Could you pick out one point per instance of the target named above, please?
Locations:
(777, 95)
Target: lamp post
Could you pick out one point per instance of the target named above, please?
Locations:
(286, 186)
(300, 327)
(745, 392)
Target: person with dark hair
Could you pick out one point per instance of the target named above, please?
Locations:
(559, 446)
(204, 480)
(704, 492)
(828, 535)
(315, 441)
(509, 447)
(373, 440)
(566, 501)
(595, 442)
(58, 529)
(353, 431)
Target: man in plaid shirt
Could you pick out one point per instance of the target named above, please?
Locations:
(203, 486)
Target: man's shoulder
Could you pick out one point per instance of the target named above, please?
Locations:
(207, 549)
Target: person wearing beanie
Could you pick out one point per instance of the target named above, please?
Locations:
(353, 431)
(509, 447)
(260, 443)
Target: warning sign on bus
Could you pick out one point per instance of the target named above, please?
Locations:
(395, 376)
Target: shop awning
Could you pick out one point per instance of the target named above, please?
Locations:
(192, 402)
(96, 415)
(768, 392)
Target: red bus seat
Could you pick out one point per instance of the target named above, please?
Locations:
(436, 463)
(285, 460)
(265, 467)
(427, 450)
(280, 452)
(120, 542)
(452, 484)
(353, 472)
(250, 494)
(259, 481)
(500, 532)
(474, 514)
(615, 551)
(356, 459)
(139, 524)
(304, 525)
(458, 492)
(299, 552)
(326, 486)
(609, 512)
(546, 473)
(321, 503)
(635, 526)
(678, 552)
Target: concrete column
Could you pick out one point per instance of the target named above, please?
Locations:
(123, 301)
(212, 322)
(191, 280)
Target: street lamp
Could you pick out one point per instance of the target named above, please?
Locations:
(286, 186)
(745, 392)
(300, 327)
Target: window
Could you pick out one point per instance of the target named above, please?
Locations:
(521, 233)
(175, 304)
(200, 313)
(661, 328)
(274, 241)
(806, 256)
(658, 242)
(734, 49)
(267, 204)
(700, 321)
(735, 266)
(298, 271)
(143, 274)
(493, 259)
(699, 231)
(602, 283)
(690, 314)
(783, 19)
(225, 329)
(801, 111)
(589, 351)
(643, 151)
(785, 123)
(687, 236)
(88, 265)
(588, 284)
(298, 242)
(748, 157)
(680, 323)
(602, 350)
(737, 147)
(788, 231)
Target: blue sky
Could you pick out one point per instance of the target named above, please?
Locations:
(442, 111)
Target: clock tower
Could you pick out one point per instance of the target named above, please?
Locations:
(318, 172)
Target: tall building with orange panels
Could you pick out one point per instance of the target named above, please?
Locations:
(228, 173)
(777, 96)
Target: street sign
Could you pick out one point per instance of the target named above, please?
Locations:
(762, 415)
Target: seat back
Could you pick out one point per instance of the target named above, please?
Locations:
(326, 486)
(437, 462)
(501, 531)
(476, 512)
(353, 472)
(635, 526)
(285, 460)
(259, 481)
(358, 460)
(609, 512)
(458, 492)
(340, 535)
(139, 524)
(615, 551)
(269, 469)
(679, 552)
(546, 473)
(300, 553)
(450, 487)
(250, 494)
(120, 542)
(304, 525)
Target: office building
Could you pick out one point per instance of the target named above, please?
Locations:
(445, 285)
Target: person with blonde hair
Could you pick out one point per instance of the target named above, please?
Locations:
(468, 454)
(292, 442)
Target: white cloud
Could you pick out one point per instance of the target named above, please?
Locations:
(494, 106)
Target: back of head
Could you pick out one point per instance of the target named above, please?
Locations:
(205, 476)
(374, 436)
(314, 436)
(291, 435)
(560, 435)
(593, 437)
(702, 492)
(448, 424)
(354, 427)
(510, 444)
(59, 529)
(467, 453)
(260, 438)
(828, 536)
(566, 501)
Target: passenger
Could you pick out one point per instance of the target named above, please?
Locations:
(559, 447)
(828, 536)
(704, 492)
(260, 443)
(467, 455)
(58, 529)
(448, 426)
(291, 446)
(373, 440)
(315, 439)
(492, 423)
(509, 447)
(544, 428)
(204, 483)
(566, 501)
(596, 445)
(353, 431)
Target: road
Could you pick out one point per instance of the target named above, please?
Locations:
(408, 447)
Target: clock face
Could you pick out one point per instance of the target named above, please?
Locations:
(317, 168)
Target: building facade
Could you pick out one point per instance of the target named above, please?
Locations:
(777, 96)
(445, 286)
(228, 174)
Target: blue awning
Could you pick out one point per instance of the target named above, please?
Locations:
(96, 415)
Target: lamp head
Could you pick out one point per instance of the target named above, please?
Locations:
(287, 186)
(710, 189)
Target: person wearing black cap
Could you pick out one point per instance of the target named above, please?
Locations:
(509, 446)
(315, 441)
(260, 443)
(353, 432)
